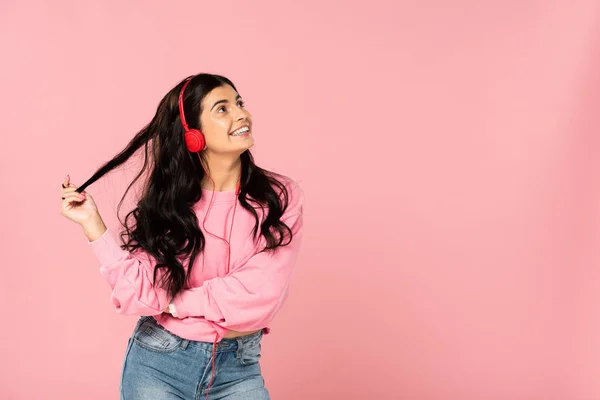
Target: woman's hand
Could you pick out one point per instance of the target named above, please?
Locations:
(167, 310)
(81, 208)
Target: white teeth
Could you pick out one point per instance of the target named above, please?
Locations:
(240, 131)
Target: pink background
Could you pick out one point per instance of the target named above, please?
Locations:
(450, 155)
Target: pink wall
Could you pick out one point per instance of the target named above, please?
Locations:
(450, 156)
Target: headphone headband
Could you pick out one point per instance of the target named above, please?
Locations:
(181, 113)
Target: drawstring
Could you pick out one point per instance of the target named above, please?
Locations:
(212, 375)
(228, 241)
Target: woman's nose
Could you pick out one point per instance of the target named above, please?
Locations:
(241, 113)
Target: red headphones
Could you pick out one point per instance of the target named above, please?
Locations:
(194, 139)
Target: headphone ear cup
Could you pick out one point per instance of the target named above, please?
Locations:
(194, 140)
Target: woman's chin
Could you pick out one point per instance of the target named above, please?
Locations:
(248, 143)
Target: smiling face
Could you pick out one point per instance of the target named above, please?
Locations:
(226, 124)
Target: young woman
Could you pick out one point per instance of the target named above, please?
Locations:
(207, 253)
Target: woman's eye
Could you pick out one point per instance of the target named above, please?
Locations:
(241, 104)
(222, 108)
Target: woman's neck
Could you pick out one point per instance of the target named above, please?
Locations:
(225, 172)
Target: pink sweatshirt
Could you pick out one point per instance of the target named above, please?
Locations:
(244, 299)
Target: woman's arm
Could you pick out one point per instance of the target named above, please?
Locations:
(130, 276)
(249, 297)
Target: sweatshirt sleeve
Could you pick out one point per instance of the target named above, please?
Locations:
(251, 295)
(130, 276)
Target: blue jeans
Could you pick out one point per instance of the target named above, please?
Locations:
(162, 366)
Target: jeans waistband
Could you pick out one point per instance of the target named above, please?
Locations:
(227, 344)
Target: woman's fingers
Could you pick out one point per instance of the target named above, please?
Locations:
(70, 189)
(67, 182)
(73, 197)
(67, 186)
